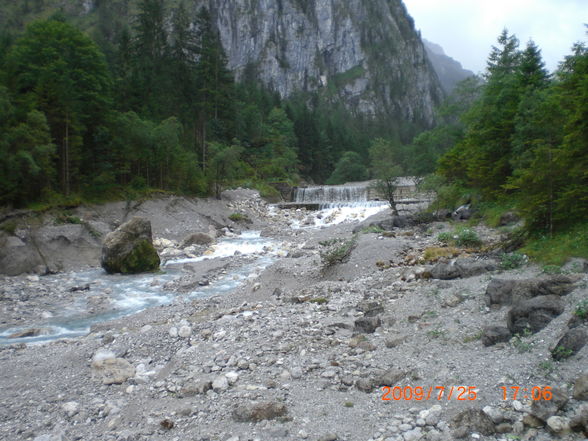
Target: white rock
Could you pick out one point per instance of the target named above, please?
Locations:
(70, 408)
(558, 424)
(220, 384)
(173, 332)
(102, 355)
(517, 405)
(185, 331)
(232, 377)
(494, 414)
(146, 328)
(413, 435)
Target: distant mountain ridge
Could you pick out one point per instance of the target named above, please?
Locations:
(449, 70)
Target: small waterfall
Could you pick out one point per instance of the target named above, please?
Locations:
(331, 194)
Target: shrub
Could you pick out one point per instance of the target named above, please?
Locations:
(239, 217)
(468, 238)
(337, 250)
(582, 309)
(510, 261)
(434, 254)
(445, 238)
(373, 229)
(552, 269)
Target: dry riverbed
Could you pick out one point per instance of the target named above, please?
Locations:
(301, 351)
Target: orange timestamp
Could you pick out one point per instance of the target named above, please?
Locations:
(439, 393)
(536, 393)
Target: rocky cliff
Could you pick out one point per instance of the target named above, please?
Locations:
(450, 71)
(366, 54)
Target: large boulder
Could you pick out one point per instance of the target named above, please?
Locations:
(570, 344)
(509, 292)
(463, 267)
(534, 314)
(129, 249)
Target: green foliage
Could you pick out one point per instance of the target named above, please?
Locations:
(445, 238)
(9, 227)
(582, 309)
(561, 353)
(350, 168)
(461, 237)
(551, 269)
(65, 218)
(336, 251)
(239, 217)
(520, 343)
(556, 249)
(509, 261)
(373, 230)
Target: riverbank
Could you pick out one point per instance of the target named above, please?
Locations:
(302, 351)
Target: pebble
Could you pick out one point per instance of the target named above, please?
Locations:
(173, 332)
(220, 384)
(185, 331)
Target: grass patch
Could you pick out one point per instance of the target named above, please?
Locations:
(319, 301)
(239, 217)
(436, 333)
(461, 237)
(66, 218)
(433, 254)
(374, 229)
(551, 269)
(474, 337)
(491, 212)
(557, 249)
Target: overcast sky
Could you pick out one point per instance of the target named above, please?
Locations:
(467, 29)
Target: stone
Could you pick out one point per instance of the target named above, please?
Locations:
(576, 265)
(112, 370)
(462, 213)
(413, 435)
(531, 421)
(492, 335)
(232, 377)
(185, 331)
(129, 249)
(173, 332)
(581, 388)
(329, 437)
(508, 218)
(579, 423)
(365, 384)
(255, 412)
(367, 325)
(558, 425)
(570, 344)
(70, 408)
(472, 421)
(394, 342)
(544, 409)
(389, 377)
(534, 314)
(200, 238)
(509, 292)
(370, 309)
(220, 384)
(199, 387)
(32, 332)
(462, 268)
(494, 414)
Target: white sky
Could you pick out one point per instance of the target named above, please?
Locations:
(467, 29)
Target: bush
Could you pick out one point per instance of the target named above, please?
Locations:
(373, 229)
(445, 238)
(468, 238)
(9, 227)
(510, 261)
(582, 309)
(337, 250)
(239, 217)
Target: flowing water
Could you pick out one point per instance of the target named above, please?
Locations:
(130, 294)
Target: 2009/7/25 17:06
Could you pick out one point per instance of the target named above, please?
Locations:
(407, 393)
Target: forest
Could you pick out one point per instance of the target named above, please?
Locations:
(155, 108)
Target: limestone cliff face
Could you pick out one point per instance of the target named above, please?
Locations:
(366, 53)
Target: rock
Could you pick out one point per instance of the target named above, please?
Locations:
(16, 256)
(389, 377)
(531, 421)
(508, 218)
(33, 332)
(492, 335)
(462, 268)
(462, 213)
(112, 370)
(220, 384)
(494, 414)
(255, 412)
(365, 384)
(129, 249)
(579, 423)
(70, 408)
(413, 435)
(197, 239)
(544, 409)
(173, 332)
(581, 388)
(370, 309)
(558, 425)
(509, 292)
(576, 265)
(394, 342)
(367, 325)
(185, 331)
(199, 387)
(570, 344)
(329, 437)
(472, 420)
(534, 314)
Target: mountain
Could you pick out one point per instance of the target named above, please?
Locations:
(450, 71)
(365, 54)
